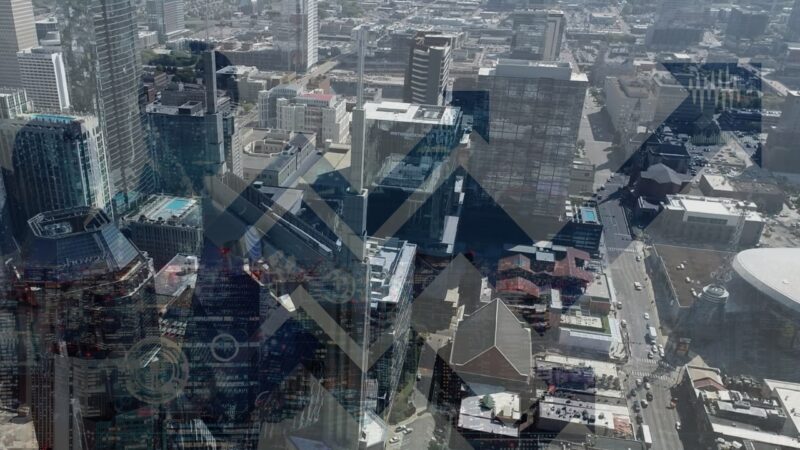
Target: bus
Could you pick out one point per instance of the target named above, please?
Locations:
(651, 333)
(646, 437)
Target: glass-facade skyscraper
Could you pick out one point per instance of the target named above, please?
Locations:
(54, 162)
(99, 42)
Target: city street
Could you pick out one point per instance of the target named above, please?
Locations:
(622, 255)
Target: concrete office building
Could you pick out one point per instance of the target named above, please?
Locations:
(297, 34)
(530, 114)
(709, 220)
(54, 162)
(46, 26)
(428, 70)
(322, 114)
(391, 263)
(744, 23)
(630, 102)
(275, 159)
(13, 102)
(793, 25)
(99, 45)
(165, 226)
(166, 17)
(537, 34)
(268, 103)
(17, 32)
(780, 152)
(678, 23)
(44, 79)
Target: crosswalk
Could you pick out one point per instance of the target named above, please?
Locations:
(651, 368)
(660, 376)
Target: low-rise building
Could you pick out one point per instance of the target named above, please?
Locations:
(323, 114)
(275, 158)
(557, 413)
(767, 196)
(492, 346)
(658, 181)
(630, 102)
(582, 229)
(491, 420)
(165, 226)
(709, 220)
(581, 177)
(720, 412)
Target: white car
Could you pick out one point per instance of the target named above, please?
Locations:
(647, 385)
(678, 425)
(638, 286)
(638, 381)
(646, 316)
(623, 323)
(394, 439)
(661, 353)
(650, 355)
(638, 257)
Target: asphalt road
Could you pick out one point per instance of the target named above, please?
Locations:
(625, 271)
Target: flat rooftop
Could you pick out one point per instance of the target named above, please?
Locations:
(165, 208)
(521, 68)
(599, 415)
(713, 206)
(411, 113)
(697, 264)
(178, 275)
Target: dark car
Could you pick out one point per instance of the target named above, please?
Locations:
(649, 396)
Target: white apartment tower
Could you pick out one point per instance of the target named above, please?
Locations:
(297, 34)
(45, 79)
(17, 32)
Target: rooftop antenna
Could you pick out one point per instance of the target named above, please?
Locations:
(359, 119)
(208, 11)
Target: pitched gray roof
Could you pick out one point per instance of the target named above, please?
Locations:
(493, 326)
(662, 174)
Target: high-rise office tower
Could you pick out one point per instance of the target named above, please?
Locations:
(780, 152)
(428, 68)
(90, 287)
(297, 34)
(529, 119)
(793, 26)
(191, 141)
(99, 43)
(17, 32)
(44, 79)
(166, 17)
(538, 34)
(678, 23)
(53, 162)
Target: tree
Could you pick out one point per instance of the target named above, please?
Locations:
(487, 402)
